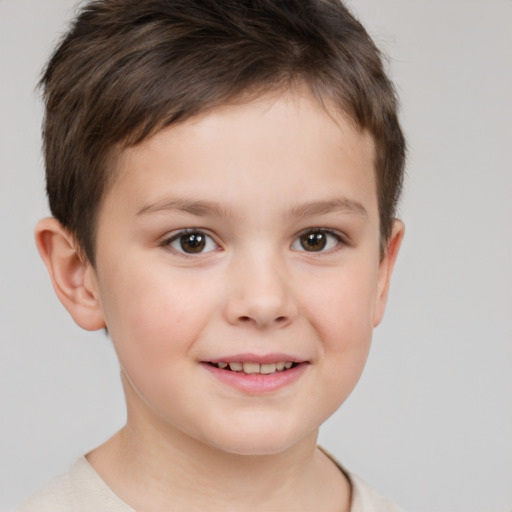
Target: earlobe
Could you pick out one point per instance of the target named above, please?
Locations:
(386, 269)
(73, 278)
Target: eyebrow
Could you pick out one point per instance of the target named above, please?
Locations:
(211, 208)
(342, 205)
(198, 208)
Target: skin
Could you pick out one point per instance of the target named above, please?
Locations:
(253, 178)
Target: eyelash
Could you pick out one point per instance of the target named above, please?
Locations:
(333, 241)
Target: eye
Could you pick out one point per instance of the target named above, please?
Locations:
(316, 240)
(191, 242)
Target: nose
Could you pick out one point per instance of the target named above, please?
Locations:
(260, 294)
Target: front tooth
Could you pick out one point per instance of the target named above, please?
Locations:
(267, 368)
(288, 365)
(236, 367)
(222, 364)
(251, 368)
(280, 366)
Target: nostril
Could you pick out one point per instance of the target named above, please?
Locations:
(248, 319)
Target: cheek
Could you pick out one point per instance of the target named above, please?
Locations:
(154, 327)
(340, 310)
(152, 317)
(340, 306)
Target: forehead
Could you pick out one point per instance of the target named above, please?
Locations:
(288, 142)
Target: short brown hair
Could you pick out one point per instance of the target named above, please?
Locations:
(128, 68)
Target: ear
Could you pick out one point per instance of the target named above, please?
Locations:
(73, 277)
(386, 269)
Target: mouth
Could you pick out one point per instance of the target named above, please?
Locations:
(252, 368)
(256, 374)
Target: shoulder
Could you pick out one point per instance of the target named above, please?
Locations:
(56, 496)
(80, 490)
(366, 499)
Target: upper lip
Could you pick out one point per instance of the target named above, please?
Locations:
(255, 358)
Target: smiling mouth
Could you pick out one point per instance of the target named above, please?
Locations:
(250, 368)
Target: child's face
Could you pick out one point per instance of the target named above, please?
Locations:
(248, 235)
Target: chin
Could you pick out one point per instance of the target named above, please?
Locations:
(260, 440)
(256, 447)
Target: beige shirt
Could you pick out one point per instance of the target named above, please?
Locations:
(82, 490)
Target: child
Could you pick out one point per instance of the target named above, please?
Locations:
(223, 178)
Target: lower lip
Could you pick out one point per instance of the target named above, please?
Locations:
(257, 383)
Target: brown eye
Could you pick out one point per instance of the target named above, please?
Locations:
(192, 242)
(316, 240)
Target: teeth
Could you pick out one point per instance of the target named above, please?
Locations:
(268, 368)
(250, 368)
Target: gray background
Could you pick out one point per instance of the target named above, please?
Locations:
(430, 423)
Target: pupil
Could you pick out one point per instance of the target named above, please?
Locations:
(193, 242)
(313, 241)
